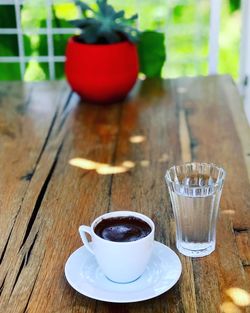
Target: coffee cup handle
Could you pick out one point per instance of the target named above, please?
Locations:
(82, 231)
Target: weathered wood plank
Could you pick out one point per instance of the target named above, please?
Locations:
(75, 196)
(239, 118)
(26, 115)
(18, 277)
(214, 139)
(21, 139)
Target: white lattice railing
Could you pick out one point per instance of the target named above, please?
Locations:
(49, 31)
(244, 79)
(214, 36)
(19, 31)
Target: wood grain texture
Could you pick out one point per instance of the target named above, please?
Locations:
(45, 197)
(243, 245)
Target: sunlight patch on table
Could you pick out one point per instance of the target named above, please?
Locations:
(86, 164)
(144, 163)
(137, 139)
(101, 168)
(128, 164)
(239, 296)
(227, 212)
(229, 307)
(108, 170)
(164, 158)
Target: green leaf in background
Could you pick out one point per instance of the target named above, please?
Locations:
(10, 71)
(234, 5)
(60, 42)
(152, 53)
(27, 45)
(178, 11)
(7, 16)
(8, 44)
(59, 70)
(182, 45)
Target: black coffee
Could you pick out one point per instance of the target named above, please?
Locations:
(122, 229)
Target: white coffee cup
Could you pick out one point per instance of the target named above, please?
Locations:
(121, 262)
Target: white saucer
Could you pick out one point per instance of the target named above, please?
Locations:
(85, 276)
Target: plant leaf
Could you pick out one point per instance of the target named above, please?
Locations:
(131, 33)
(110, 12)
(107, 22)
(81, 23)
(111, 37)
(89, 35)
(152, 53)
(234, 5)
(133, 17)
(102, 6)
(130, 37)
(119, 14)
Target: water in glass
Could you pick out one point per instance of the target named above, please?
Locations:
(195, 190)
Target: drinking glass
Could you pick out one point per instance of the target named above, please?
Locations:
(195, 191)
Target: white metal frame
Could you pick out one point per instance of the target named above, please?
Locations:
(20, 37)
(50, 40)
(214, 36)
(245, 57)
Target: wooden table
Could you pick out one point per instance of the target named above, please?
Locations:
(123, 151)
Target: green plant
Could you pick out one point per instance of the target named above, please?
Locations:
(104, 25)
(152, 53)
(234, 5)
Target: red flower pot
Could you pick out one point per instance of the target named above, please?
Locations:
(101, 73)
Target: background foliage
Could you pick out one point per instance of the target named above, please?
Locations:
(184, 22)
